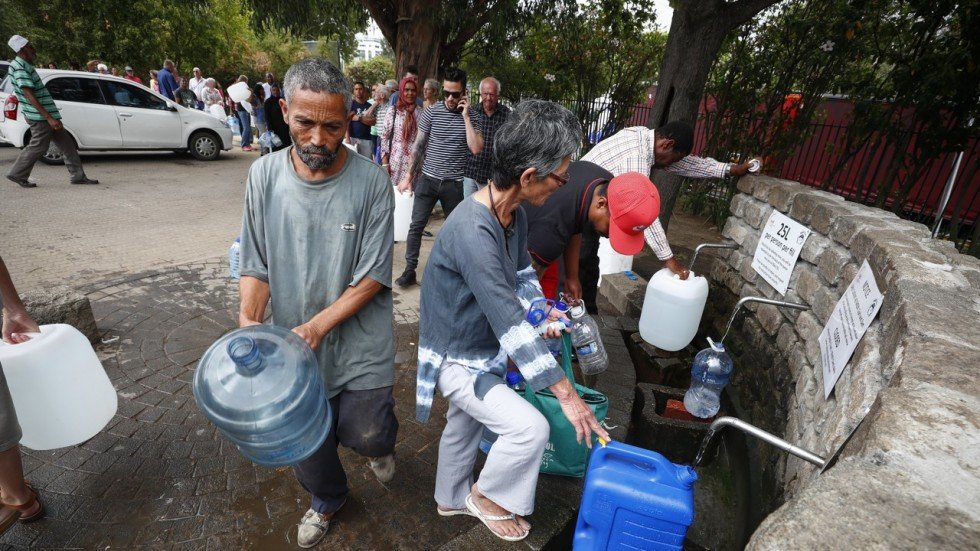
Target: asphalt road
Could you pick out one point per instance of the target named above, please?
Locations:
(150, 211)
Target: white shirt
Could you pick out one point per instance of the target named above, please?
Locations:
(631, 150)
(197, 84)
(268, 90)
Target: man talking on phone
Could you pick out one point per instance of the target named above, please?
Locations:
(447, 133)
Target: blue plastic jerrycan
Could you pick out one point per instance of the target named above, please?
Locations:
(261, 387)
(634, 499)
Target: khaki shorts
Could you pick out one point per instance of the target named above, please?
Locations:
(9, 427)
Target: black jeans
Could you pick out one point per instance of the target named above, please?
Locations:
(427, 192)
(364, 421)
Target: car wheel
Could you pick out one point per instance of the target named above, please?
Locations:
(204, 146)
(53, 155)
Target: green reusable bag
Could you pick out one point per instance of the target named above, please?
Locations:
(563, 455)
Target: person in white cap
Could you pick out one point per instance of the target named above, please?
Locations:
(103, 69)
(43, 117)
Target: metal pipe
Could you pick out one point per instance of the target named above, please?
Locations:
(745, 300)
(709, 246)
(948, 191)
(752, 430)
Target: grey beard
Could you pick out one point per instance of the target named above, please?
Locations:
(306, 154)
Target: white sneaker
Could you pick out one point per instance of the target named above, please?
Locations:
(312, 529)
(383, 467)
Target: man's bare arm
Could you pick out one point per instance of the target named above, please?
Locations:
(350, 302)
(255, 297)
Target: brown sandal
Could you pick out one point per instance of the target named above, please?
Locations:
(21, 509)
(8, 517)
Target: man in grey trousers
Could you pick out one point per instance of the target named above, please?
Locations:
(43, 117)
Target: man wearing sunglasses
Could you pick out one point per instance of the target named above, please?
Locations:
(447, 134)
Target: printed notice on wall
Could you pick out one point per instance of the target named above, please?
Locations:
(779, 247)
(851, 318)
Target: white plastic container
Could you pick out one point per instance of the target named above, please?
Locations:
(403, 214)
(61, 393)
(239, 91)
(672, 309)
(611, 262)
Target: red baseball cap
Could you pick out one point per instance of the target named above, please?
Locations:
(634, 203)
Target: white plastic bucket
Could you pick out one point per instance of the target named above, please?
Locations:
(239, 91)
(403, 214)
(611, 262)
(61, 393)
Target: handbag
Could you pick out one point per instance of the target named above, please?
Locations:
(563, 455)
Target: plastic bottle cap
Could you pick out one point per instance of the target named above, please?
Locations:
(577, 311)
(514, 377)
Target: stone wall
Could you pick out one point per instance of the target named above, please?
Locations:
(904, 415)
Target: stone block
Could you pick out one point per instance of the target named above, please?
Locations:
(733, 281)
(781, 197)
(808, 283)
(786, 339)
(805, 203)
(735, 229)
(832, 262)
(797, 363)
(756, 213)
(746, 270)
(847, 226)
(764, 185)
(826, 214)
(735, 259)
(62, 305)
(865, 240)
(751, 242)
(769, 318)
(815, 244)
(926, 360)
(625, 295)
(824, 303)
(737, 206)
(808, 327)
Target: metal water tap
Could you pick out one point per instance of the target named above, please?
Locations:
(746, 300)
(720, 423)
(730, 245)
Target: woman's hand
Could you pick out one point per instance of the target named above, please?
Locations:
(405, 184)
(578, 413)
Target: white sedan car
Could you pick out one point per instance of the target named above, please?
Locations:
(104, 113)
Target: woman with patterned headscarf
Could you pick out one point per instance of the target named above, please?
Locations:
(400, 127)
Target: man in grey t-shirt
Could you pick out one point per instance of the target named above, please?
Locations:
(317, 238)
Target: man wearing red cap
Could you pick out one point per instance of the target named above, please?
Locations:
(619, 208)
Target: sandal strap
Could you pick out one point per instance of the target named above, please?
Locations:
(497, 518)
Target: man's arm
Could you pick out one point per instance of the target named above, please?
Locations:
(29, 94)
(474, 138)
(350, 302)
(573, 286)
(255, 297)
(16, 320)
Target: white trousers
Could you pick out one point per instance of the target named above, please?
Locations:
(510, 475)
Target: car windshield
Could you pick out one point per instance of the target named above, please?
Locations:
(6, 86)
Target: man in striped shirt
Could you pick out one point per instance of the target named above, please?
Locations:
(447, 134)
(42, 116)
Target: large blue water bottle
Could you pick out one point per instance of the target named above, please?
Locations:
(261, 387)
(634, 499)
(710, 372)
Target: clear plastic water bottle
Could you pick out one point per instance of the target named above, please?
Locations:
(591, 353)
(261, 387)
(709, 374)
(234, 255)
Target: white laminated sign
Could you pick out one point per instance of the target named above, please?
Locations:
(847, 325)
(779, 248)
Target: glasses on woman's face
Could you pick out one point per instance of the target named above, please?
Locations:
(562, 180)
(451, 94)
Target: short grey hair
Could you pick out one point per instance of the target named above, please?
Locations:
(491, 80)
(316, 75)
(431, 84)
(538, 134)
(383, 90)
(392, 85)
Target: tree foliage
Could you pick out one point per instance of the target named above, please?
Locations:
(336, 20)
(375, 70)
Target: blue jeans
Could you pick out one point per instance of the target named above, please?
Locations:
(470, 187)
(246, 125)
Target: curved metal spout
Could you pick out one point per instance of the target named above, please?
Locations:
(746, 300)
(752, 430)
(697, 249)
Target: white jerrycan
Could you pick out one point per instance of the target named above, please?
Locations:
(403, 214)
(672, 307)
(61, 393)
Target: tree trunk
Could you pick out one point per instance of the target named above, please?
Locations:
(697, 31)
(419, 38)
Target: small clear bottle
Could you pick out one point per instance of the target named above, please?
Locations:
(234, 257)
(710, 372)
(591, 353)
